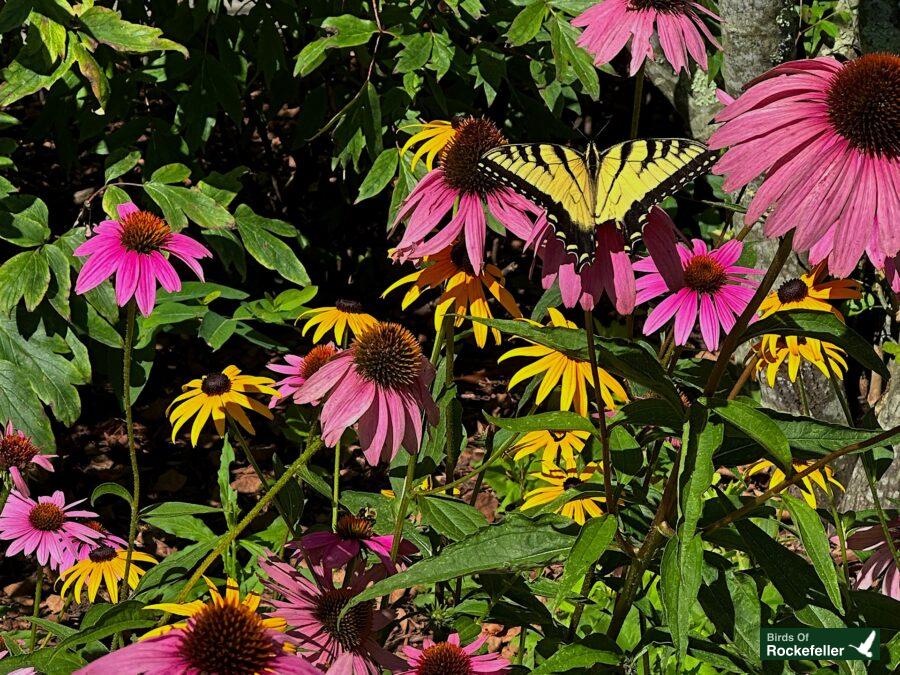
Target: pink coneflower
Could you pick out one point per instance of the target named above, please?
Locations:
(458, 183)
(82, 549)
(311, 611)
(382, 383)
(879, 565)
(132, 249)
(444, 658)
(45, 526)
(298, 370)
(678, 24)
(699, 276)
(352, 535)
(17, 453)
(825, 134)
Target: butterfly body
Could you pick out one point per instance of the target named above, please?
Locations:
(581, 191)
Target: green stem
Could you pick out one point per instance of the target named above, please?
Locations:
(733, 339)
(449, 353)
(404, 504)
(225, 540)
(486, 464)
(842, 539)
(336, 486)
(575, 619)
(601, 408)
(636, 103)
(520, 653)
(245, 447)
(867, 468)
(38, 588)
(132, 448)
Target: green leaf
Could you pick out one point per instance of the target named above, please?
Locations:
(19, 403)
(527, 23)
(311, 56)
(587, 654)
(89, 67)
(348, 30)
(173, 509)
(24, 221)
(110, 489)
(269, 251)
(381, 173)
(162, 580)
(558, 420)
(756, 425)
(680, 578)
(696, 467)
(815, 541)
(822, 326)
(31, 71)
(200, 208)
(595, 537)
(25, 275)
(415, 52)
(185, 527)
(114, 196)
(107, 26)
(119, 162)
(517, 543)
(451, 517)
(171, 173)
(126, 615)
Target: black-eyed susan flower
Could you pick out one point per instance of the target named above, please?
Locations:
(559, 480)
(552, 445)
(810, 291)
(433, 136)
(220, 396)
(773, 350)
(824, 477)
(345, 314)
(224, 635)
(464, 291)
(425, 485)
(104, 564)
(574, 374)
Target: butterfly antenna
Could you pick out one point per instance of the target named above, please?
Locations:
(606, 123)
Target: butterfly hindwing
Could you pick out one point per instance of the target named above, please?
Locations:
(555, 178)
(635, 175)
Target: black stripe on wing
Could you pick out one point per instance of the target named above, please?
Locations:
(636, 216)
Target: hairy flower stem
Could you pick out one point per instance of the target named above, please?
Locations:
(132, 448)
(404, 504)
(636, 103)
(312, 446)
(867, 468)
(742, 380)
(733, 339)
(336, 486)
(38, 588)
(449, 352)
(601, 408)
(245, 447)
(873, 441)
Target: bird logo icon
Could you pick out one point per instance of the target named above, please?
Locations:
(865, 648)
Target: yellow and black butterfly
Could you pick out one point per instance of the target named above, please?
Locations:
(582, 191)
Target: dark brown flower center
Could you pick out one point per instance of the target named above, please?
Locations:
(315, 359)
(102, 554)
(459, 158)
(349, 306)
(144, 232)
(354, 527)
(864, 104)
(356, 625)
(793, 290)
(662, 6)
(388, 355)
(16, 451)
(569, 483)
(215, 384)
(46, 517)
(459, 256)
(704, 274)
(444, 659)
(229, 639)
(557, 435)
(96, 526)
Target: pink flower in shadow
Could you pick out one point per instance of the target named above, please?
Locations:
(452, 657)
(17, 453)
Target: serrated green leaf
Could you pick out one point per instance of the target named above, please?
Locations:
(118, 163)
(31, 71)
(24, 221)
(19, 403)
(269, 251)
(107, 26)
(89, 67)
(25, 275)
(450, 517)
(527, 23)
(170, 173)
(177, 202)
(348, 30)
